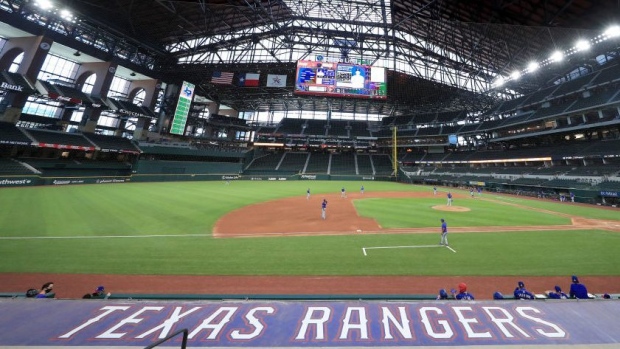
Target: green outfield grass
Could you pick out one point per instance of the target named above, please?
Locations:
(142, 209)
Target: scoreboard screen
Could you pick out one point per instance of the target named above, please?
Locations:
(337, 79)
(186, 95)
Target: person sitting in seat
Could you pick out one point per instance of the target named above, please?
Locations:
(578, 290)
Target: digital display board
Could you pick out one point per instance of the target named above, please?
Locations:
(340, 79)
(182, 110)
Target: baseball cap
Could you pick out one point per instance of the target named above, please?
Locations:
(442, 219)
(498, 295)
(606, 296)
(521, 284)
(558, 289)
(462, 287)
(100, 289)
(575, 279)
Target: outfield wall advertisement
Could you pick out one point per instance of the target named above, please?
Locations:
(309, 324)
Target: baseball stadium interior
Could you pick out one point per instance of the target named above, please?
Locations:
(510, 96)
(515, 96)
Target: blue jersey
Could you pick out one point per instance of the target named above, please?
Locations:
(449, 195)
(324, 205)
(522, 293)
(444, 227)
(558, 295)
(465, 296)
(578, 291)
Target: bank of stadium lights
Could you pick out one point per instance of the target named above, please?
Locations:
(47, 5)
(558, 56)
(44, 4)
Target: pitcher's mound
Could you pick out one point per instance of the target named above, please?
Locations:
(451, 208)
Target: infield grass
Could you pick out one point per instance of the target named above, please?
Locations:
(143, 209)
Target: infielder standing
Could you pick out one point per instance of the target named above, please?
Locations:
(449, 199)
(362, 190)
(308, 194)
(343, 193)
(323, 208)
(444, 233)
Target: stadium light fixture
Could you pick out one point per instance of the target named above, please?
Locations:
(612, 32)
(66, 14)
(532, 67)
(499, 81)
(557, 56)
(515, 75)
(44, 4)
(582, 45)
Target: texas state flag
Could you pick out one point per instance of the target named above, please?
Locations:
(249, 79)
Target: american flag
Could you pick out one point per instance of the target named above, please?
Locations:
(222, 77)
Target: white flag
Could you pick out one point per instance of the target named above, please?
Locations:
(276, 80)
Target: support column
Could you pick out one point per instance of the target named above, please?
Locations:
(104, 71)
(35, 49)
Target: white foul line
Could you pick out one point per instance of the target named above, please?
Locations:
(381, 247)
(450, 248)
(100, 237)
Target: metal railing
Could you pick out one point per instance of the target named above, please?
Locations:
(183, 343)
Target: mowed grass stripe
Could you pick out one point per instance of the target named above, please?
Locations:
(516, 253)
(419, 213)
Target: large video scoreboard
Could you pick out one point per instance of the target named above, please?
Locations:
(340, 79)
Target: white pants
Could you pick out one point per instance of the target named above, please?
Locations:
(323, 213)
(449, 202)
(444, 239)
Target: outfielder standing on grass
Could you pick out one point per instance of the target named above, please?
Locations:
(444, 233)
(323, 209)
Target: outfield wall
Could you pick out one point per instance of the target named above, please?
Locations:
(23, 181)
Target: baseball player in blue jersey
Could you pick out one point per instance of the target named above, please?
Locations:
(442, 294)
(557, 294)
(444, 233)
(463, 295)
(343, 193)
(324, 209)
(449, 195)
(308, 194)
(578, 290)
(521, 292)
